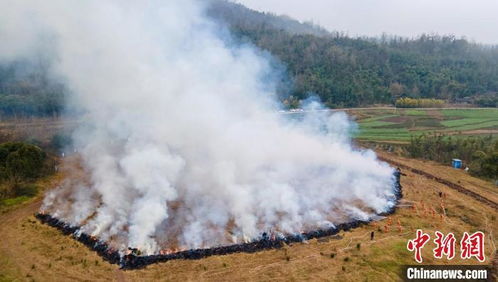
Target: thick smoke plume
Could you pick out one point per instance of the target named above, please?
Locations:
(180, 139)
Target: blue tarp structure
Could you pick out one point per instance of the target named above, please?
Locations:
(456, 163)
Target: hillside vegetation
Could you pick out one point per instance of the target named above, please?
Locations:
(343, 71)
(347, 72)
(27, 90)
(479, 154)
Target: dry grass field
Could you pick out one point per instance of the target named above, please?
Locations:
(39, 130)
(31, 251)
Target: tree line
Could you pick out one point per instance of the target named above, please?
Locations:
(348, 72)
(479, 154)
(407, 102)
(342, 71)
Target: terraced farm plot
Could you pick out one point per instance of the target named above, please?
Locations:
(398, 125)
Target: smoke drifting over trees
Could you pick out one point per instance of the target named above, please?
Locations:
(180, 139)
(347, 71)
(343, 71)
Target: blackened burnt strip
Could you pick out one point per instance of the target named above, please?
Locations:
(93, 243)
(133, 261)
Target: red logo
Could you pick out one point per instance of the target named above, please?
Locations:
(444, 245)
(470, 245)
(417, 244)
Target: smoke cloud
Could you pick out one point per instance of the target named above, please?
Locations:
(180, 141)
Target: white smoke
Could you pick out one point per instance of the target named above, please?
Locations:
(180, 139)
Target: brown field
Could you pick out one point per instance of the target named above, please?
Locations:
(40, 130)
(31, 251)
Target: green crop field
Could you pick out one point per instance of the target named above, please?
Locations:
(398, 125)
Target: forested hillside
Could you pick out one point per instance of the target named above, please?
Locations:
(343, 71)
(26, 90)
(348, 72)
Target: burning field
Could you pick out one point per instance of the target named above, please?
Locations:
(35, 250)
(133, 258)
(129, 257)
(181, 152)
(181, 147)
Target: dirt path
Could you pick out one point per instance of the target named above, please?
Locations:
(10, 239)
(446, 175)
(448, 183)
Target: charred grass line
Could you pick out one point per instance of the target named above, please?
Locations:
(133, 261)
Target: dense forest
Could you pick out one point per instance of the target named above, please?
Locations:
(348, 72)
(343, 71)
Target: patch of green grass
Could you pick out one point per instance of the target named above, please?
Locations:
(489, 113)
(376, 123)
(460, 122)
(470, 124)
(384, 134)
(412, 123)
(14, 201)
(375, 118)
(416, 112)
(402, 124)
(22, 194)
(427, 122)
(487, 124)
(393, 126)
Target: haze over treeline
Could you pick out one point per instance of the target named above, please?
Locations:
(343, 71)
(347, 72)
(178, 139)
(475, 20)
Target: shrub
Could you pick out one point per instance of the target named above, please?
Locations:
(419, 103)
(20, 162)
